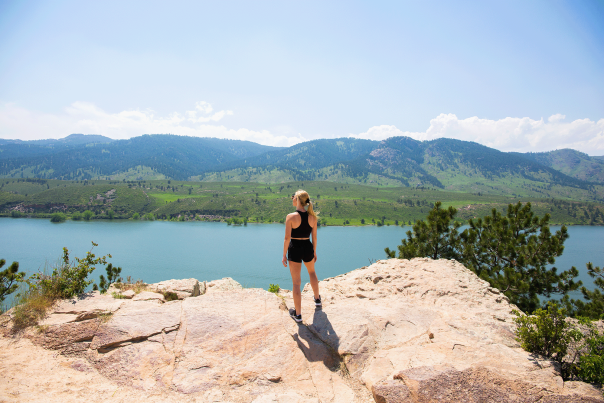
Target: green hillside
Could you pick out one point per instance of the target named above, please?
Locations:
(572, 163)
(440, 164)
(339, 204)
(444, 164)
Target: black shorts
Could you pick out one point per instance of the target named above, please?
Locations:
(299, 250)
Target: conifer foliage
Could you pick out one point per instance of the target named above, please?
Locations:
(437, 237)
(113, 276)
(593, 306)
(512, 252)
(9, 279)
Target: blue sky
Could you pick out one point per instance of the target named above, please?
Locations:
(514, 75)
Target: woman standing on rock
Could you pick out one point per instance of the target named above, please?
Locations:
(297, 247)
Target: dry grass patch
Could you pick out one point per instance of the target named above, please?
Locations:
(138, 286)
(31, 305)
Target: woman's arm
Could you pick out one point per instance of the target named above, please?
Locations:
(288, 235)
(314, 238)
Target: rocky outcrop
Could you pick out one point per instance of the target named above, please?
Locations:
(396, 331)
(182, 288)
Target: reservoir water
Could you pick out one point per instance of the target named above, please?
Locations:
(156, 250)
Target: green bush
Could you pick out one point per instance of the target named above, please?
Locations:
(77, 216)
(38, 293)
(274, 288)
(170, 296)
(551, 335)
(88, 215)
(149, 217)
(111, 214)
(68, 278)
(58, 217)
(136, 216)
(16, 214)
(590, 366)
(546, 332)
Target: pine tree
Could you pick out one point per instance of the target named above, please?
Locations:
(437, 237)
(112, 277)
(512, 252)
(9, 279)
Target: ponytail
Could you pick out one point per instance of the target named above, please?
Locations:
(304, 198)
(309, 208)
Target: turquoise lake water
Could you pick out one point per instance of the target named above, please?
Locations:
(156, 250)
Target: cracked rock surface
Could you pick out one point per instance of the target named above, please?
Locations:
(396, 331)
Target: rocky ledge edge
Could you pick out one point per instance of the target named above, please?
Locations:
(417, 330)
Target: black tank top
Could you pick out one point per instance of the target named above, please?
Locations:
(304, 230)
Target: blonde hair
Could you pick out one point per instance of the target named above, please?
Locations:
(304, 198)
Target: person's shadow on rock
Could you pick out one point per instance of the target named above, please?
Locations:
(319, 341)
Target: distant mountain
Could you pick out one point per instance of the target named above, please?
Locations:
(572, 163)
(78, 139)
(446, 163)
(72, 139)
(399, 161)
(177, 157)
(311, 155)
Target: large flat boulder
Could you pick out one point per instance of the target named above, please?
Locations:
(398, 315)
(396, 331)
(84, 307)
(137, 321)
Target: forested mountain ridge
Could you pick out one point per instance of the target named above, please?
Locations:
(177, 157)
(572, 163)
(72, 139)
(314, 154)
(442, 163)
(399, 161)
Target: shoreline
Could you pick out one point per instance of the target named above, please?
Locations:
(464, 222)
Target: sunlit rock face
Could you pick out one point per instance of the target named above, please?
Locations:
(397, 331)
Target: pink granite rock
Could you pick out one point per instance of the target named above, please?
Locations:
(396, 331)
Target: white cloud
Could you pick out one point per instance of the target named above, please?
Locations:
(509, 134)
(84, 117)
(206, 109)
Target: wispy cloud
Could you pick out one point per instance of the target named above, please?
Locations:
(509, 134)
(84, 117)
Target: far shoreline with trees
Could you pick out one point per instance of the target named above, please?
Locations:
(338, 204)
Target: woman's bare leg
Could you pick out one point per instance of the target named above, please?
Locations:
(314, 281)
(294, 269)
